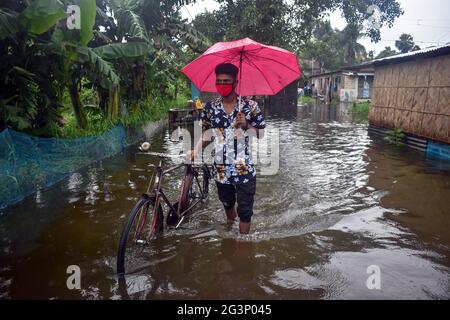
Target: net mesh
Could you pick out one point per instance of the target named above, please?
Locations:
(30, 163)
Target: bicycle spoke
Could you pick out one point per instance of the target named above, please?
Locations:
(141, 222)
(145, 219)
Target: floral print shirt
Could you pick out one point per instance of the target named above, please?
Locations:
(232, 158)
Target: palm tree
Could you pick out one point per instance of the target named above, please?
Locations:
(406, 43)
(354, 52)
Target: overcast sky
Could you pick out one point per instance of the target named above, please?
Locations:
(427, 21)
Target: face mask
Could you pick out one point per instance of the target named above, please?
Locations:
(224, 89)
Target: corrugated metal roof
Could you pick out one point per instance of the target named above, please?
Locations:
(423, 53)
(427, 52)
(347, 71)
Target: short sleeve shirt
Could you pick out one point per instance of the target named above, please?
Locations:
(232, 158)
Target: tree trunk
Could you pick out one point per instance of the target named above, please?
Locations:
(139, 79)
(3, 125)
(103, 101)
(77, 105)
(176, 90)
(113, 103)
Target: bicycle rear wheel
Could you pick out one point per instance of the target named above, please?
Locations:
(194, 186)
(144, 224)
(185, 190)
(206, 175)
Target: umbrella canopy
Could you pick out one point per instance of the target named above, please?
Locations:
(263, 69)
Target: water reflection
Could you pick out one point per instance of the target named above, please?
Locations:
(341, 201)
(316, 113)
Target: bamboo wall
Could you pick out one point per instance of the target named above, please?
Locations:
(414, 96)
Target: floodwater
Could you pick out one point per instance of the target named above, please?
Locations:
(343, 208)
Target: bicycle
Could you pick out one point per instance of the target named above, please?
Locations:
(146, 220)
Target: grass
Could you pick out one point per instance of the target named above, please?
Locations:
(98, 125)
(362, 107)
(305, 100)
(360, 111)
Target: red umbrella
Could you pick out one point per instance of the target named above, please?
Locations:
(263, 69)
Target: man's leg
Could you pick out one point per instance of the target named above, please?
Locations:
(244, 227)
(245, 196)
(231, 215)
(227, 195)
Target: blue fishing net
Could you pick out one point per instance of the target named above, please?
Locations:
(30, 163)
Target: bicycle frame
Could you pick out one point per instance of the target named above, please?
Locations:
(159, 194)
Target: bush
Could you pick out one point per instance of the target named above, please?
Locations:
(360, 111)
(395, 137)
(150, 110)
(305, 100)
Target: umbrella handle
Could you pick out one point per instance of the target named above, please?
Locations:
(240, 78)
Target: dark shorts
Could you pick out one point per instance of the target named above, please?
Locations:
(244, 194)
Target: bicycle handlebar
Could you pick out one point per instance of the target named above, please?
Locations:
(163, 155)
(180, 157)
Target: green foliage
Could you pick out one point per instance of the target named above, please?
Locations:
(128, 54)
(21, 117)
(387, 52)
(211, 26)
(288, 23)
(9, 24)
(194, 39)
(150, 110)
(360, 111)
(335, 48)
(88, 11)
(406, 43)
(100, 66)
(298, 25)
(88, 94)
(124, 50)
(41, 15)
(131, 26)
(304, 100)
(395, 137)
(361, 107)
(355, 13)
(261, 20)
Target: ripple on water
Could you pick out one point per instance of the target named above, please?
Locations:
(337, 204)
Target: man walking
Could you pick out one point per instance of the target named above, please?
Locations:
(232, 125)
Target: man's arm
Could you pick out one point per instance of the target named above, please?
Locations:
(255, 124)
(198, 147)
(205, 124)
(245, 125)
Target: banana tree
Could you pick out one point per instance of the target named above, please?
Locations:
(160, 25)
(71, 46)
(34, 38)
(129, 59)
(40, 18)
(29, 76)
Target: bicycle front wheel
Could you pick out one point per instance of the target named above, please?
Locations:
(144, 224)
